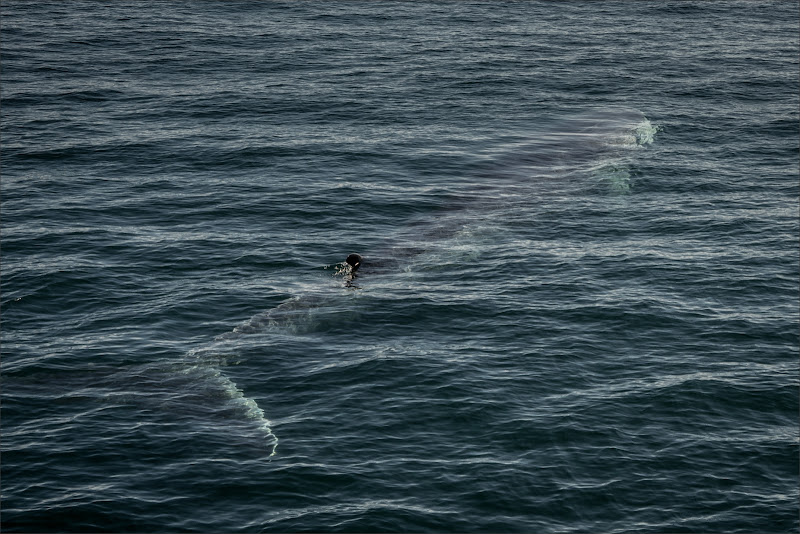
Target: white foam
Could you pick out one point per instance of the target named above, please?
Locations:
(614, 171)
(204, 365)
(645, 132)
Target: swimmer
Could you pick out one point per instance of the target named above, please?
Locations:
(354, 261)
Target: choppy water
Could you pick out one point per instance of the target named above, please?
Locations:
(578, 310)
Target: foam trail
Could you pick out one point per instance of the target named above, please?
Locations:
(207, 361)
(613, 170)
(601, 142)
(569, 156)
(251, 410)
(593, 144)
(295, 316)
(208, 371)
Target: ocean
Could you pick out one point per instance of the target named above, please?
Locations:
(577, 309)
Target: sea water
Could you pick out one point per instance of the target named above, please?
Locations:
(577, 312)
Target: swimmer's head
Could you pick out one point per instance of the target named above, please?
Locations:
(354, 261)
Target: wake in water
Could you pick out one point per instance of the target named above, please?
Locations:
(590, 151)
(590, 143)
(596, 145)
(205, 365)
(294, 316)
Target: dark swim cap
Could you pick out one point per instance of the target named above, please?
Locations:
(354, 261)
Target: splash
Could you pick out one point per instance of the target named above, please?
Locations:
(614, 169)
(617, 178)
(645, 132)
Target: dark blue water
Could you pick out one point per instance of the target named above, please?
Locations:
(577, 312)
